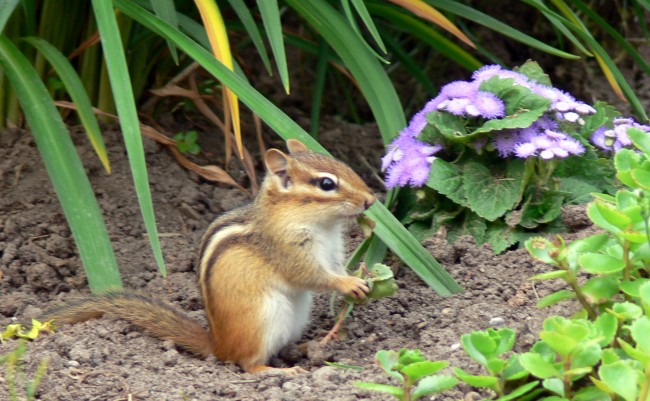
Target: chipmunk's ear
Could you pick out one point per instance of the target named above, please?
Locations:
(296, 146)
(276, 161)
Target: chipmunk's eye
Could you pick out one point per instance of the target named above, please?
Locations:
(326, 184)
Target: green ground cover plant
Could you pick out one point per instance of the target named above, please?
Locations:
(498, 156)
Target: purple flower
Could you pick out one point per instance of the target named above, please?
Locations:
(489, 105)
(616, 138)
(540, 139)
(408, 161)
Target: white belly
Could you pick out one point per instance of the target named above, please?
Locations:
(285, 315)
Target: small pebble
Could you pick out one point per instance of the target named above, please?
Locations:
(497, 321)
(72, 363)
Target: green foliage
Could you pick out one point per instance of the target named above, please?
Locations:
(603, 353)
(416, 374)
(186, 142)
(480, 184)
(15, 375)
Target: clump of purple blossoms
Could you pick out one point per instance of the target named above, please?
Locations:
(614, 139)
(541, 139)
(408, 160)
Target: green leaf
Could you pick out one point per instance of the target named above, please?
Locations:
(166, 11)
(600, 289)
(632, 288)
(555, 297)
(626, 311)
(621, 378)
(433, 384)
(532, 70)
(387, 360)
(246, 18)
(418, 370)
(77, 92)
(478, 17)
(538, 365)
(476, 381)
(561, 274)
(64, 168)
(129, 122)
(6, 9)
(447, 179)
(540, 248)
(641, 177)
(554, 385)
(523, 106)
(384, 388)
(270, 12)
(607, 326)
(640, 139)
(585, 357)
(519, 392)
(489, 195)
(598, 263)
(591, 394)
(625, 161)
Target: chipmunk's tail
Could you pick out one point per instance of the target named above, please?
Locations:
(156, 317)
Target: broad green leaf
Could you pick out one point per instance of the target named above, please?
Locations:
(641, 177)
(519, 392)
(478, 346)
(592, 243)
(634, 353)
(384, 388)
(625, 161)
(418, 370)
(632, 288)
(523, 106)
(555, 297)
(621, 378)
(491, 196)
(270, 12)
(600, 289)
(639, 330)
(626, 311)
(450, 126)
(591, 394)
(559, 342)
(611, 216)
(607, 326)
(129, 122)
(433, 384)
(598, 263)
(540, 248)
(532, 70)
(640, 139)
(446, 178)
(538, 365)
(554, 385)
(77, 93)
(387, 361)
(476, 381)
(585, 357)
(505, 339)
(64, 168)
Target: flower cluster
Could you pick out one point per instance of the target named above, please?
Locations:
(542, 139)
(616, 138)
(551, 136)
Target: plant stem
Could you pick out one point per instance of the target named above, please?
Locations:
(645, 386)
(573, 282)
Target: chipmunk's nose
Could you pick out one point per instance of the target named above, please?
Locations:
(370, 199)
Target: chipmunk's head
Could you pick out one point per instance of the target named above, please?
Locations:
(313, 184)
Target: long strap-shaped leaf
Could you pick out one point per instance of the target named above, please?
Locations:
(388, 228)
(64, 168)
(125, 103)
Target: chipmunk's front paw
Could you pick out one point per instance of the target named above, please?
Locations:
(353, 286)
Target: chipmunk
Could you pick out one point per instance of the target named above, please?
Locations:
(258, 265)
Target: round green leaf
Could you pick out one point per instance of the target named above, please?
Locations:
(621, 378)
(538, 366)
(597, 263)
